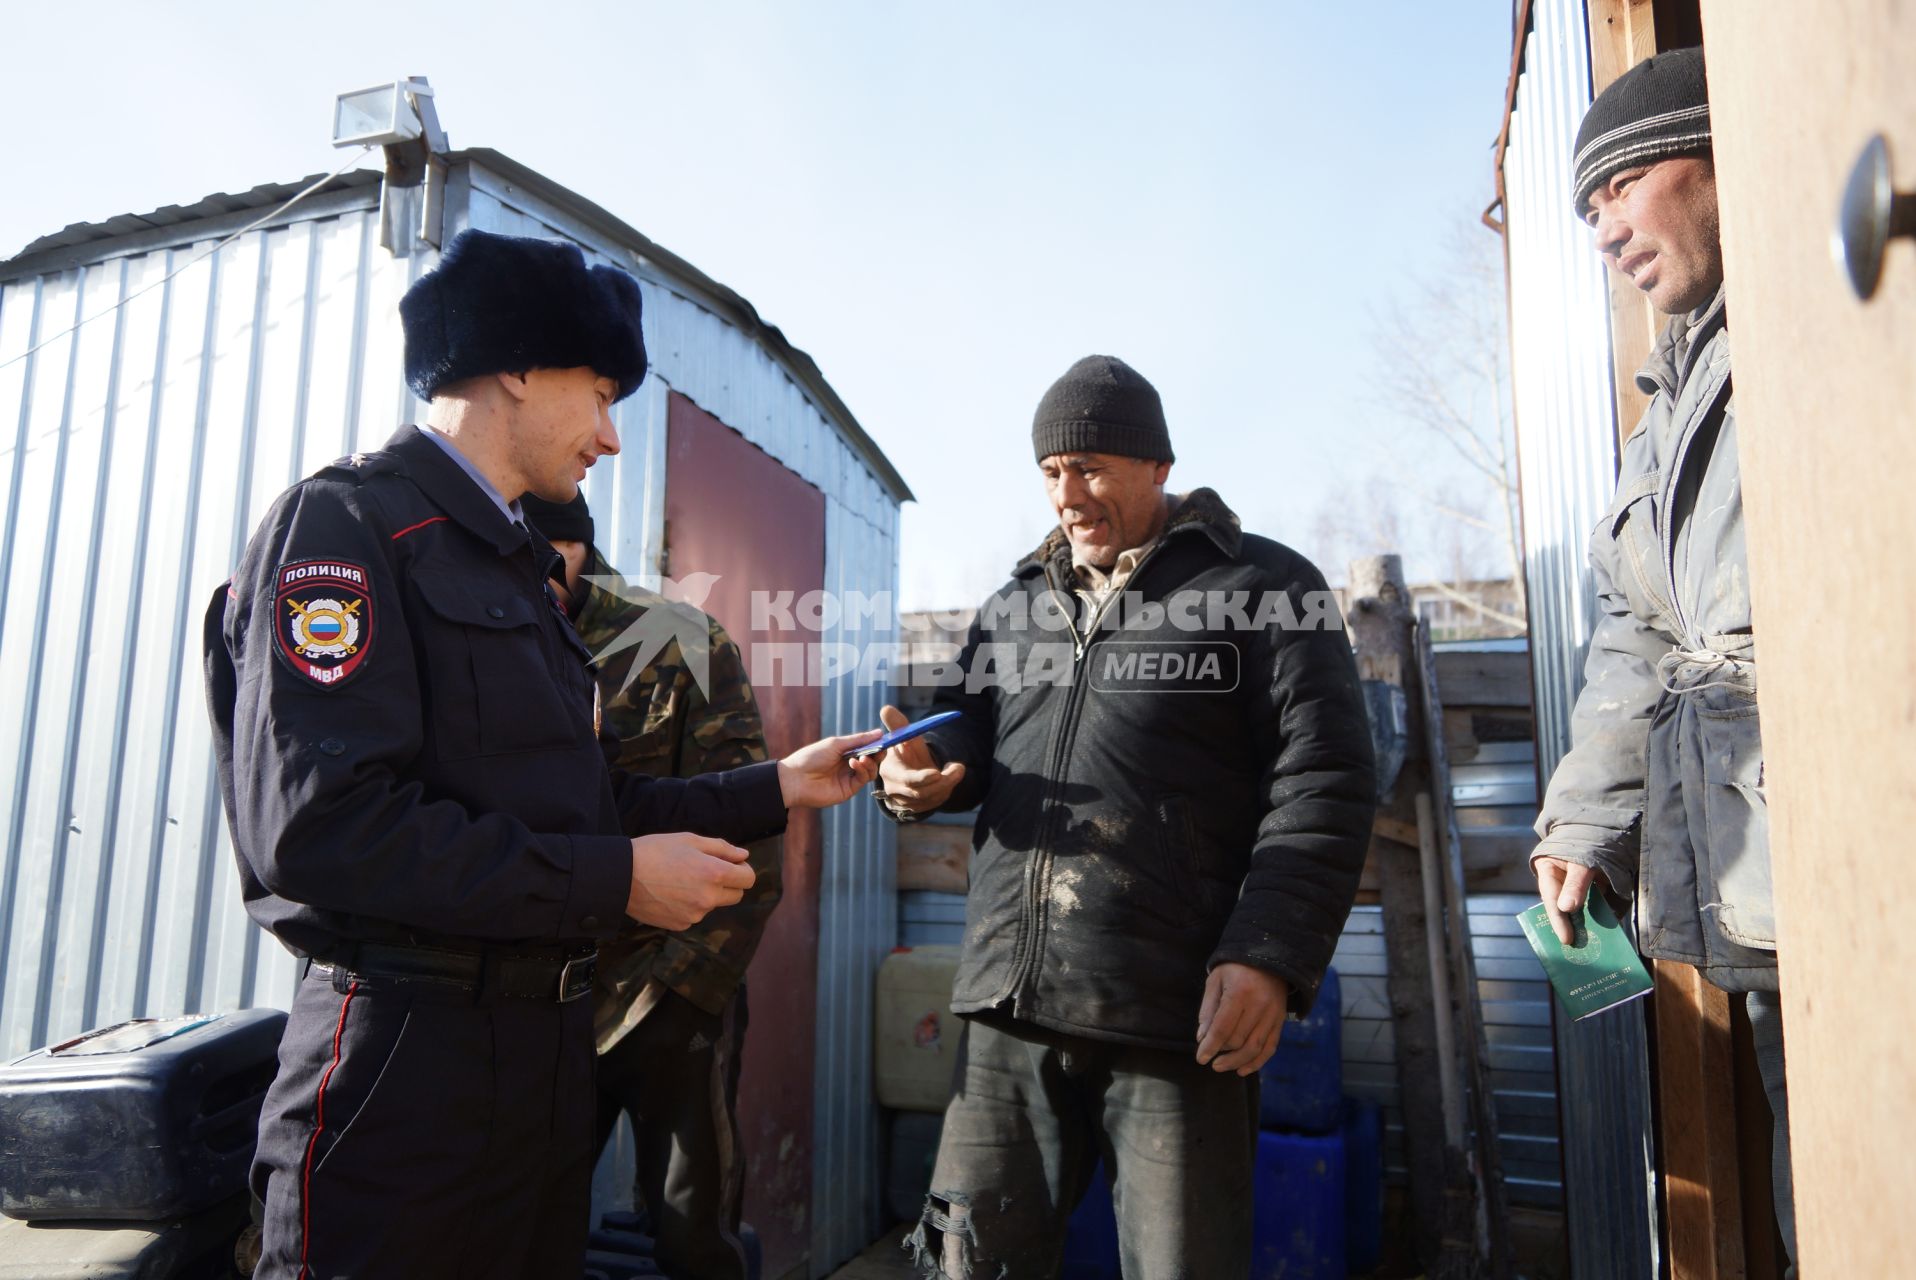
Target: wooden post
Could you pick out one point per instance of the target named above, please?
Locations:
(1443, 1209)
(1380, 628)
(1622, 34)
(1483, 1166)
(1432, 874)
(1702, 1192)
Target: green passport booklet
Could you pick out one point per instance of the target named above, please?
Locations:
(1600, 972)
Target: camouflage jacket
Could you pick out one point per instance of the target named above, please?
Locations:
(667, 726)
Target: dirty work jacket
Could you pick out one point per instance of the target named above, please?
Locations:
(1663, 789)
(403, 725)
(1146, 814)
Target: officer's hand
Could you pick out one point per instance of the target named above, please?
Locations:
(819, 776)
(1564, 886)
(678, 878)
(1241, 1017)
(908, 772)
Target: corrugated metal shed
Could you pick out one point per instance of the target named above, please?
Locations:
(137, 453)
(1561, 365)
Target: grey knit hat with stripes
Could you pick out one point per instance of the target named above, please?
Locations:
(1657, 109)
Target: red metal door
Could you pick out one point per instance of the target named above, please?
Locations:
(733, 510)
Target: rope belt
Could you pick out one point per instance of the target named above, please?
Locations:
(1684, 671)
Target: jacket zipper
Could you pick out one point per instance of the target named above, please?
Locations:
(1038, 869)
(1673, 483)
(1674, 473)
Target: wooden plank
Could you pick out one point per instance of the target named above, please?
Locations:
(1824, 385)
(1701, 1189)
(1498, 864)
(1622, 34)
(1404, 833)
(1469, 679)
(1460, 735)
(1380, 626)
(934, 856)
(1484, 1168)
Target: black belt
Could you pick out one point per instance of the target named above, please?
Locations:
(563, 978)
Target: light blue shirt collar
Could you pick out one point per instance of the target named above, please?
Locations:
(511, 510)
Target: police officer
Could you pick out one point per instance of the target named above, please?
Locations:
(408, 753)
(669, 1009)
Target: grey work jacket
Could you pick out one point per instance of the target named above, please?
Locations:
(1663, 788)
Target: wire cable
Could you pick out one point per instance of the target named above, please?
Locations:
(254, 225)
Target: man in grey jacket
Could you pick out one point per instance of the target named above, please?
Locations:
(1661, 797)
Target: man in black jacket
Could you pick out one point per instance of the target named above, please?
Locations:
(1163, 724)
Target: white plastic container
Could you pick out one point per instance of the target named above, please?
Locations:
(915, 1032)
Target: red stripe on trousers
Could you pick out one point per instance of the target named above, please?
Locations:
(319, 1127)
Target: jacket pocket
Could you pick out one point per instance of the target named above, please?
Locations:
(1635, 528)
(1178, 859)
(1739, 897)
(392, 1082)
(493, 690)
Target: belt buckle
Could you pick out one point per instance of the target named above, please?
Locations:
(567, 994)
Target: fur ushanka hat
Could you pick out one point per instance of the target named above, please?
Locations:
(508, 304)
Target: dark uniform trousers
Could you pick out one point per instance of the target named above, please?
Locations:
(420, 1130)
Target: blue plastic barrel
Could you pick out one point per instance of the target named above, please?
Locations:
(1363, 1185)
(1303, 1083)
(1091, 1238)
(1298, 1226)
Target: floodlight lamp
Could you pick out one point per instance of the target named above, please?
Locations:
(380, 116)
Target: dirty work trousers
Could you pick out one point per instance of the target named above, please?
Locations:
(1034, 1111)
(416, 1130)
(1766, 1033)
(677, 1073)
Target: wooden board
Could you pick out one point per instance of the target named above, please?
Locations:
(1622, 34)
(934, 856)
(1824, 389)
(1701, 1187)
(1471, 679)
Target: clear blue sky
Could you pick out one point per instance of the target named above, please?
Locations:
(944, 204)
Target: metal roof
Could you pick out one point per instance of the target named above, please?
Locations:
(264, 196)
(71, 246)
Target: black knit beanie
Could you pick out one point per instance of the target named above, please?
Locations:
(1102, 405)
(1657, 109)
(559, 521)
(508, 304)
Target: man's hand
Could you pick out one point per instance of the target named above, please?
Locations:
(1241, 1018)
(819, 776)
(1563, 886)
(909, 774)
(679, 877)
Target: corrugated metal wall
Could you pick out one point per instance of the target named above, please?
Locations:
(1517, 1010)
(145, 447)
(137, 455)
(1560, 347)
(857, 927)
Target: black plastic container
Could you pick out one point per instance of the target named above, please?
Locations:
(144, 1120)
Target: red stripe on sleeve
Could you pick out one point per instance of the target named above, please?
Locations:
(422, 524)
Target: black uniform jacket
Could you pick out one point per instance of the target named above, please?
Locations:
(1188, 784)
(404, 725)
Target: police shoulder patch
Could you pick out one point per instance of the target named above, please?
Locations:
(323, 618)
